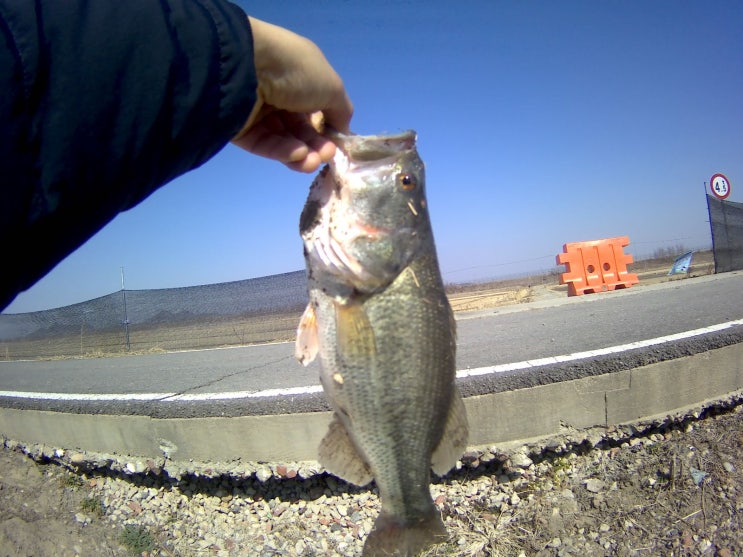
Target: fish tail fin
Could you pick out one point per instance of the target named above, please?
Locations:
(392, 537)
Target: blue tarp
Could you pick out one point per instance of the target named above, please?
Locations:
(681, 264)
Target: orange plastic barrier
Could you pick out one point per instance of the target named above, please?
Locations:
(596, 266)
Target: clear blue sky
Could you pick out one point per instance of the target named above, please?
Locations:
(540, 123)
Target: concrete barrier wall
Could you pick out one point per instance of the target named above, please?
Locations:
(603, 400)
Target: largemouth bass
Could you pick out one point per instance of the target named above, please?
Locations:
(379, 318)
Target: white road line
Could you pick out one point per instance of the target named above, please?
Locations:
(85, 397)
(294, 391)
(291, 391)
(594, 353)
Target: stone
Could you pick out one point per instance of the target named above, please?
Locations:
(594, 485)
(263, 473)
(520, 459)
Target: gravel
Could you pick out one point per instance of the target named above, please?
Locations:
(642, 489)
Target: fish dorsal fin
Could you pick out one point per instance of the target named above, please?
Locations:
(454, 440)
(354, 334)
(339, 455)
(307, 344)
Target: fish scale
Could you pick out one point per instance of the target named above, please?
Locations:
(381, 323)
(385, 416)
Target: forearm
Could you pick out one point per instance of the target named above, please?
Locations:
(103, 102)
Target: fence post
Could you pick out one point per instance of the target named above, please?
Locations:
(126, 316)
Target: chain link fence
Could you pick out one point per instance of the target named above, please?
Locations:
(726, 220)
(249, 311)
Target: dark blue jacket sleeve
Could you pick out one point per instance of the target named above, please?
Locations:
(102, 102)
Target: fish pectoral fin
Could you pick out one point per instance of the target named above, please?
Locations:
(340, 457)
(354, 333)
(307, 344)
(454, 440)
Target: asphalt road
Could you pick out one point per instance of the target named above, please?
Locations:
(238, 381)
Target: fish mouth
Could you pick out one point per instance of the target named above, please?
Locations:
(329, 238)
(339, 262)
(328, 243)
(372, 148)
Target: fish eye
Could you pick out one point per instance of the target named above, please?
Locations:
(406, 181)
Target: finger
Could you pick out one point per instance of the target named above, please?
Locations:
(261, 141)
(309, 130)
(290, 138)
(338, 114)
(323, 146)
(308, 165)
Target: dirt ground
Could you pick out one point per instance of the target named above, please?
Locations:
(38, 508)
(670, 490)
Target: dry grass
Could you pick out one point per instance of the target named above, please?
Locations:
(147, 340)
(479, 533)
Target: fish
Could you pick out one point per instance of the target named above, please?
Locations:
(379, 319)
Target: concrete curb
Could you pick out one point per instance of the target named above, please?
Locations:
(602, 400)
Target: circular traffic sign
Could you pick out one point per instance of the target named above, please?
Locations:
(720, 186)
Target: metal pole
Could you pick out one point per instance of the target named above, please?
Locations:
(711, 226)
(126, 316)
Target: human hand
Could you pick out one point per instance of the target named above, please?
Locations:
(295, 81)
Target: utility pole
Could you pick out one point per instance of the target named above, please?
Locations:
(126, 316)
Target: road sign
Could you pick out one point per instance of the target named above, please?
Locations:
(720, 186)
